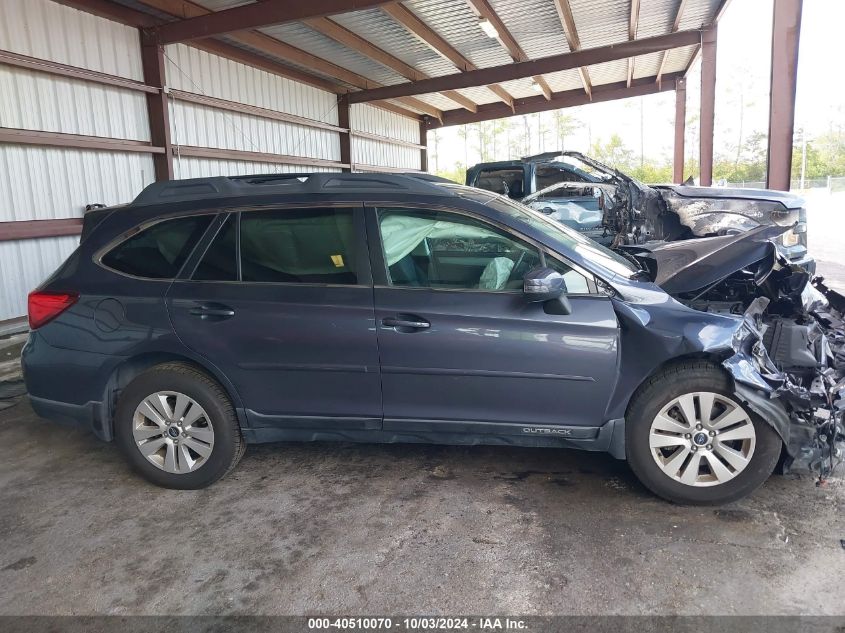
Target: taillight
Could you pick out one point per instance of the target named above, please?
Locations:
(43, 307)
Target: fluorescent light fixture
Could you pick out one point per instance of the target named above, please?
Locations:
(488, 27)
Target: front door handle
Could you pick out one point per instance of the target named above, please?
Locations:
(406, 322)
(212, 311)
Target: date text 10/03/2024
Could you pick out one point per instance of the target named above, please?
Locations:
(418, 624)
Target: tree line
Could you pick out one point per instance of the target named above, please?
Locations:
(820, 156)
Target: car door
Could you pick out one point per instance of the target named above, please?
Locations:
(281, 302)
(462, 349)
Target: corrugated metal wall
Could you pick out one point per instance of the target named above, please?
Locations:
(39, 182)
(373, 120)
(192, 70)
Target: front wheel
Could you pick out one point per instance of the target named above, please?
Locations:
(689, 439)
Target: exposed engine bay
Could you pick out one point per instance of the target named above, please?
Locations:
(788, 360)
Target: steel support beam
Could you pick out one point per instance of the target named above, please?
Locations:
(428, 36)
(484, 10)
(786, 32)
(676, 25)
(113, 11)
(633, 25)
(554, 63)
(258, 157)
(158, 111)
(35, 229)
(530, 105)
(680, 130)
(17, 136)
(345, 137)
(567, 19)
(256, 15)
(335, 31)
(424, 144)
(708, 105)
(8, 58)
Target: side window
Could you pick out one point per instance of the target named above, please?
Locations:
(158, 251)
(508, 182)
(439, 249)
(220, 263)
(299, 246)
(576, 283)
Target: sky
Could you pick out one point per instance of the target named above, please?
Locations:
(646, 124)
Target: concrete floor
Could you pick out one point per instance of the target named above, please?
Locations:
(361, 529)
(368, 529)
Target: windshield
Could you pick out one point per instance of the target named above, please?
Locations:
(587, 248)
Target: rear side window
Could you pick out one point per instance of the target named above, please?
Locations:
(299, 246)
(158, 251)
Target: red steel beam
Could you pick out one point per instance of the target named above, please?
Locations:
(567, 19)
(786, 33)
(113, 11)
(680, 129)
(34, 229)
(708, 105)
(431, 38)
(424, 146)
(9, 58)
(15, 136)
(676, 25)
(554, 63)
(258, 157)
(158, 110)
(484, 10)
(345, 137)
(530, 105)
(255, 15)
(633, 24)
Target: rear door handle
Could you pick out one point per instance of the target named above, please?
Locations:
(409, 322)
(212, 311)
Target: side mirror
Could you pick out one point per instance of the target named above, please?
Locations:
(543, 284)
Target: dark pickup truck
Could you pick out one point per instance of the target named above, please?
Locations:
(616, 209)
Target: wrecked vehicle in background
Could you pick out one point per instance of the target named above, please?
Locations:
(789, 351)
(616, 209)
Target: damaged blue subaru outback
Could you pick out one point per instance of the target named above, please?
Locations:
(213, 313)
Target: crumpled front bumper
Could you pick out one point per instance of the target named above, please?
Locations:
(809, 420)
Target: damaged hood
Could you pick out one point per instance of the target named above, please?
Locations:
(717, 211)
(690, 265)
(788, 200)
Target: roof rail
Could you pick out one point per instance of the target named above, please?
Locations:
(268, 184)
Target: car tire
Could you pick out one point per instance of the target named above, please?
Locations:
(736, 458)
(207, 442)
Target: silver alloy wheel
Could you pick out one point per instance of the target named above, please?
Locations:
(702, 439)
(173, 432)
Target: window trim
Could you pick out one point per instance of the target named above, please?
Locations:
(197, 256)
(378, 264)
(98, 256)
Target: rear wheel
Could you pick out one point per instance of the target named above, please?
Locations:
(177, 427)
(690, 440)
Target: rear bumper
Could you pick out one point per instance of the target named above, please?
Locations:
(84, 416)
(66, 386)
